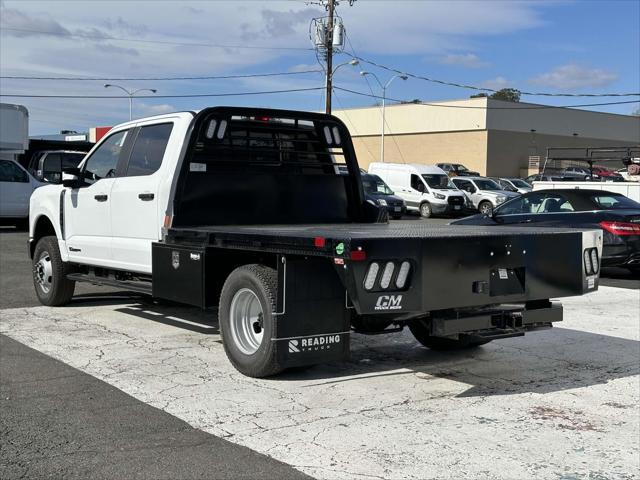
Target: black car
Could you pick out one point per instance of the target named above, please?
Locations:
(457, 170)
(379, 193)
(618, 217)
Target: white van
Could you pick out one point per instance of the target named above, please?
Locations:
(424, 188)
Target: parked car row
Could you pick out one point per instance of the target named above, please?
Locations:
(429, 190)
(582, 174)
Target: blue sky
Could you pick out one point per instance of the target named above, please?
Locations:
(565, 47)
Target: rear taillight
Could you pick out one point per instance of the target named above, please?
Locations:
(621, 228)
(591, 261)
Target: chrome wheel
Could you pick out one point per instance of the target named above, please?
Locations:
(246, 317)
(43, 272)
(486, 208)
(425, 210)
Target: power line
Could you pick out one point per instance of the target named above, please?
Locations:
(353, 51)
(194, 95)
(483, 89)
(533, 107)
(139, 40)
(213, 77)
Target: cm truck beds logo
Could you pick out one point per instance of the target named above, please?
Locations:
(389, 302)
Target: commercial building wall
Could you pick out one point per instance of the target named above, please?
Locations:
(490, 136)
(508, 152)
(469, 148)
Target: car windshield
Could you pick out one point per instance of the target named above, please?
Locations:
(438, 181)
(460, 168)
(519, 183)
(486, 184)
(374, 185)
(611, 201)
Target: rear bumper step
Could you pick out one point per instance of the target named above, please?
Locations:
(507, 321)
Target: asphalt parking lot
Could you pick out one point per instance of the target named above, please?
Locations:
(117, 386)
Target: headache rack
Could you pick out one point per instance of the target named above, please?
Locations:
(559, 158)
(252, 166)
(271, 141)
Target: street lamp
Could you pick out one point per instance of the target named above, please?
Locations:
(329, 76)
(384, 94)
(130, 94)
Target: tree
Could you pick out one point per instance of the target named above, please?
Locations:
(507, 94)
(636, 112)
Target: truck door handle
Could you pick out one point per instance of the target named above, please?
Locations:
(145, 197)
(101, 198)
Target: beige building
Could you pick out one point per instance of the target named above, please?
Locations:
(492, 137)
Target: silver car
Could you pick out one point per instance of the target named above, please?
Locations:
(483, 193)
(512, 184)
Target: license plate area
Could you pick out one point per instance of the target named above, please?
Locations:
(507, 281)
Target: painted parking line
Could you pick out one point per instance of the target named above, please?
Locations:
(560, 402)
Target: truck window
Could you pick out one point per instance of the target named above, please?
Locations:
(148, 149)
(417, 183)
(10, 172)
(103, 162)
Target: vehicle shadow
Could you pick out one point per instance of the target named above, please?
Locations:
(540, 362)
(179, 316)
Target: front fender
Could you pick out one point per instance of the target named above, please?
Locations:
(46, 202)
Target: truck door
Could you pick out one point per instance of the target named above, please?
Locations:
(135, 216)
(87, 209)
(415, 192)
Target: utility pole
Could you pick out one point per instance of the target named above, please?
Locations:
(329, 43)
(328, 36)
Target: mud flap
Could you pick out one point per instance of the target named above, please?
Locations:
(312, 322)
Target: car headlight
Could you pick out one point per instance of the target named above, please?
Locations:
(382, 202)
(501, 199)
(439, 196)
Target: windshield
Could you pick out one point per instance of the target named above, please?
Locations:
(610, 201)
(460, 168)
(486, 184)
(374, 185)
(438, 181)
(519, 183)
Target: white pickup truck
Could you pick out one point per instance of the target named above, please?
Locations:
(249, 210)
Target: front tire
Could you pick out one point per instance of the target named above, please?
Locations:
(53, 288)
(246, 320)
(421, 332)
(486, 208)
(425, 210)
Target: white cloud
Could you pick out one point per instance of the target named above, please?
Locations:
(409, 27)
(573, 76)
(468, 60)
(496, 83)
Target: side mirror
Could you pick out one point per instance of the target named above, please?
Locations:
(71, 177)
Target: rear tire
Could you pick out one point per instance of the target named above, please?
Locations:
(246, 320)
(53, 288)
(425, 210)
(486, 208)
(420, 331)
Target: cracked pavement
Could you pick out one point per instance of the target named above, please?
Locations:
(561, 403)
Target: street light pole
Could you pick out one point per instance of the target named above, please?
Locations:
(130, 94)
(384, 97)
